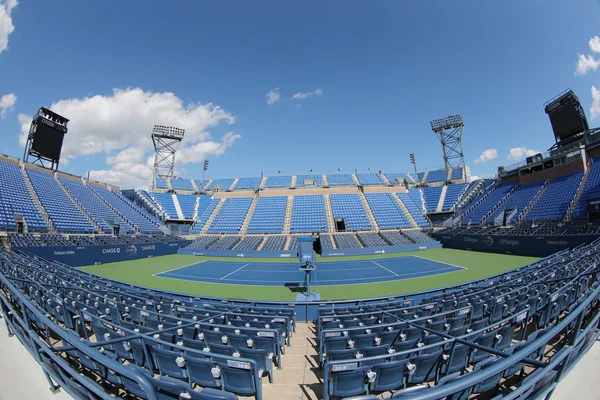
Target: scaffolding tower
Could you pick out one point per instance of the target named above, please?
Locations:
(449, 131)
(166, 140)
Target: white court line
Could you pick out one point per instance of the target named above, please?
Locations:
(231, 273)
(440, 262)
(379, 265)
(175, 269)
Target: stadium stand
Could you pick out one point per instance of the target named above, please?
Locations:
(62, 212)
(351, 209)
(453, 193)
(248, 183)
(165, 201)
(417, 197)
(492, 197)
(371, 239)
(369, 179)
(248, 243)
(269, 215)
(201, 184)
(301, 179)
(413, 209)
(274, 243)
(553, 203)
(15, 200)
(440, 175)
(230, 217)
(394, 177)
(346, 241)
(395, 238)
(130, 212)
(94, 207)
(432, 197)
(308, 214)
(161, 183)
(417, 236)
(340, 180)
(187, 202)
(223, 184)
(591, 189)
(387, 211)
(326, 242)
(279, 181)
(457, 173)
(182, 184)
(203, 215)
(518, 201)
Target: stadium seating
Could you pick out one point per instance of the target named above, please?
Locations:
(187, 202)
(432, 197)
(182, 184)
(553, 203)
(94, 207)
(346, 241)
(308, 214)
(209, 205)
(201, 184)
(274, 243)
(452, 194)
(494, 194)
(519, 200)
(60, 209)
(340, 180)
(301, 179)
(387, 211)
(415, 211)
(417, 236)
(395, 238)
(224, 184)
(278, 181)
(130, 212)
(417, 198)
(165, 200)
(230, 217)
(249, 243)
(161, 183)
(268, 215)
(590, 191)
(394, 176)
(350, 208)
(457, 173)
(16, 200)
(439, 175)
(248, 183)
(369, 179)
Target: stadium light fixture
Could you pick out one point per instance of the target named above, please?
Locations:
(449, 131)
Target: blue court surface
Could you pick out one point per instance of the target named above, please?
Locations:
(328, 273)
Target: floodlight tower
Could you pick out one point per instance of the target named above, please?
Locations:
(449, 130)
(166, 139)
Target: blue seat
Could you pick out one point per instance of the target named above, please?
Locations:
(451, 378)
(401, 394)
(390, 376)
(210, 394)
(167, 363)
(264, 363)
(348, 383)
(490, 383)
(455, 361)
(200, 372)
(424, 367)
(239, 381)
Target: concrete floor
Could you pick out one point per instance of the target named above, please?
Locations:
(300, 379)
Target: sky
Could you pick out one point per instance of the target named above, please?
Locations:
(268, 86)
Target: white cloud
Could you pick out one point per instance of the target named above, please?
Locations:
(487, 155)
(7, 103)
(595, 44)
(516, 153)
(586, 64)
(595, 109)
(474, 178)
(307, 95)
(273, 96)
(119, 125)
(6, 24)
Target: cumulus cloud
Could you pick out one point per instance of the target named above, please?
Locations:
(587, 63)
(516, 153)
(273, 96)
(487, 155)
(119, 125)
(199, 151)
(595, 109)
(7, 103)
(307, 95)
(595, 44)
(6, 24)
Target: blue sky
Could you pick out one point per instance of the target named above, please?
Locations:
(371, 75)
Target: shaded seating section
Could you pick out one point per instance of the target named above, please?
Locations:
(457, 173)
(371, 239)
(203, 242)
(93, 206)
(350, 208)
(248, 183)
(432, 197)
(453, 192)
(65, 216)
(308, 214)
(16, 200)
(161, 183)
(230, 217)
(326, 242)
(274, 243)
(133, 214)
(439, 175)
(387, 211)
(248, 243)
(395, 238)
(209, 205)
(413, 209)
(182, 184)
(301, 180)
(201, 184)
(346, 241)
(486, 201)
(48, 239)
(187, 202)
(340, 180)
(165, 201)
(279, 181)
(418, 236)
(553, 203)
(268, 215)
(222, 183)
(370, 179)
(518, 200)
(395, 178)
(590, 191)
